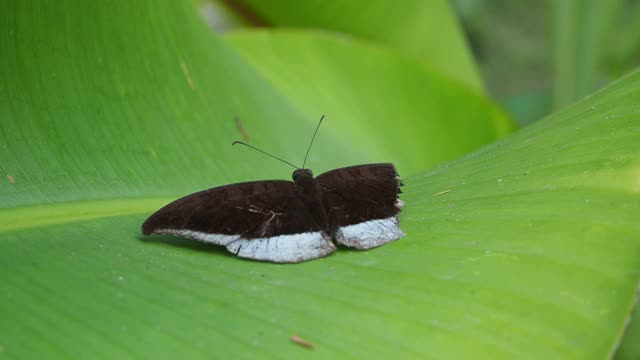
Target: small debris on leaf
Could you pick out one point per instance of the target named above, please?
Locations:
(442, 192)
(296, 339)
(187, 75)
(241, 128)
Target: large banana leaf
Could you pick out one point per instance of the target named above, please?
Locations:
(108, 112)
(428, 30)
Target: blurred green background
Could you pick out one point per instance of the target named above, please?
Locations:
(533, 56)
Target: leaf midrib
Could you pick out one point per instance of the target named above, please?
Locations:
(18, 218)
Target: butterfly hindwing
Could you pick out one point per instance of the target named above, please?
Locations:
(262, 220)
(363, 205)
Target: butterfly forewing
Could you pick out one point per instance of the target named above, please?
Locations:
(263, 220)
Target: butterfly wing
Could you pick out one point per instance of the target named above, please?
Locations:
(363, 205)
(262, 220)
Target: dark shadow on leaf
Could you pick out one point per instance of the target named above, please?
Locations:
(344, 248)
(184, 243)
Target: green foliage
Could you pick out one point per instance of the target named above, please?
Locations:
(427, 30)
(630, 347)
(108, 112)
(373, 96)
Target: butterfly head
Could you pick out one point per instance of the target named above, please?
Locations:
(299, 174)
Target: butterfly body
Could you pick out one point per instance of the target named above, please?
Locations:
(309, 191)
(291, 221)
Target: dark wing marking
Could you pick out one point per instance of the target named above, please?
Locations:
(362, 203)
(264, 220)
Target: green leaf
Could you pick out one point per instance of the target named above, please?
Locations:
(630, 346)
(546, 222)
(426, 29)
(405, 112)
(107, 112)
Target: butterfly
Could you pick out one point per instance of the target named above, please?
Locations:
(291, 221)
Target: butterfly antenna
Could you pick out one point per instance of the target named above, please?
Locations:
(264, 152)
(313, 138)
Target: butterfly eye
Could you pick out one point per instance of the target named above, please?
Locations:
(309, 172)
(295, 175)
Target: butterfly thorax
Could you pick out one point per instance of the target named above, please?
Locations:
(309, 189)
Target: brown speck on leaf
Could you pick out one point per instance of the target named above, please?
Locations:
(241, 128)
(296, 339)
(11, 179)
(441, 192)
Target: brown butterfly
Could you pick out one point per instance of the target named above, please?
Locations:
(291, 221)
